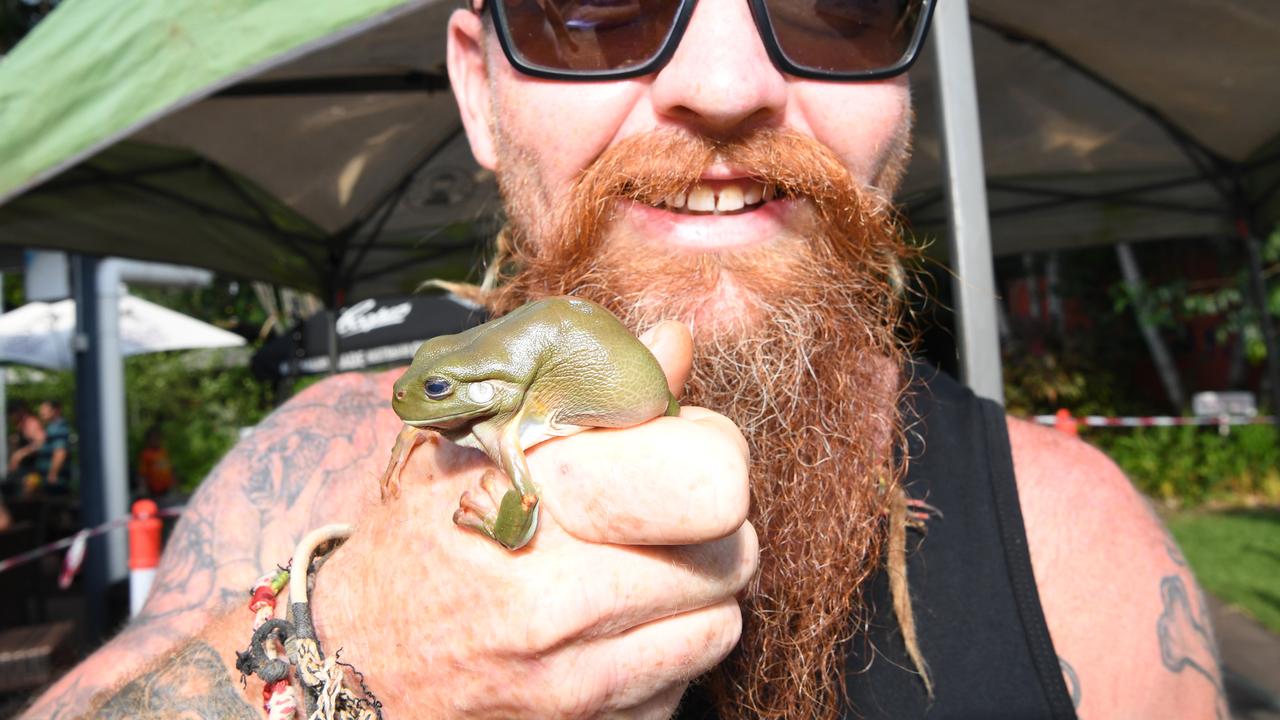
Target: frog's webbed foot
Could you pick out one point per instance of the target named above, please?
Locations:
(409, 438)
(503, 515)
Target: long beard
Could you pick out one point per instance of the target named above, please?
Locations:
(796, 342)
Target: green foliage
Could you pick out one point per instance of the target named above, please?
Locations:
(197, 401)
(198, 412)
(1234, 556)
(33, 387)
(1039, 384)
(1165, 305)
(1194, 465)
(229, 304)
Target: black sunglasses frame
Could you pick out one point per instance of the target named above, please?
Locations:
(763, 25)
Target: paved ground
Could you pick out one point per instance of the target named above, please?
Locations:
(1251, 663)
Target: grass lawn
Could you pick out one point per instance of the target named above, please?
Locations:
(1236, 556)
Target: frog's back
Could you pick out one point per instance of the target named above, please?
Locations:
(594, 372)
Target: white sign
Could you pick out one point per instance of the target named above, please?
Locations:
(363, 317)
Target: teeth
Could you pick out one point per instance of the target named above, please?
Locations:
(729, 199)
(702, 199)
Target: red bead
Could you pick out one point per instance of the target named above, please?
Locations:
(262, 596)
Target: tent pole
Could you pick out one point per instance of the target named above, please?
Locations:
(1258, 289)
(1160, 356)
(331, 321)
(114, 471)
(4, 403)
(90, 422)
(970, 235)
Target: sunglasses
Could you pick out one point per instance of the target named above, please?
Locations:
(615, 39)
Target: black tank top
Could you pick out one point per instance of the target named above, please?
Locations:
(978, 616)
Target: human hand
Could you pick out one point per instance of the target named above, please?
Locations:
(626, 593)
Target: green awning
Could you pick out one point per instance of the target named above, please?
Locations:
(310, 143)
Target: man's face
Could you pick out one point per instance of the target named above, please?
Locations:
(46, 411)
(792, 301)
(539, 135)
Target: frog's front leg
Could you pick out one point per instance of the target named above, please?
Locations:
(409, 438)
(513, 522)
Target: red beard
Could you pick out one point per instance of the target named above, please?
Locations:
(807, 362)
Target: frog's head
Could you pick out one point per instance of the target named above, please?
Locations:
(441, 389)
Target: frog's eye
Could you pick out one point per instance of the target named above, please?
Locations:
(438, 388)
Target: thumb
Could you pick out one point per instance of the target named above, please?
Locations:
(672, 344)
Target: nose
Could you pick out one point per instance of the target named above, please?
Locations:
(720, 80)
(400, 393)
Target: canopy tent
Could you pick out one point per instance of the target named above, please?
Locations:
(310, 144)
(42, 334)
(280, 140)
(1105, 121)
(1108, 122)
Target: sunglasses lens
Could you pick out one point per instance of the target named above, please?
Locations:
(587, 36)
(845, 36)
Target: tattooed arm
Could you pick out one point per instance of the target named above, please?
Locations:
(312, 461)
(1127, 619)
(197, 681)
(623, 597)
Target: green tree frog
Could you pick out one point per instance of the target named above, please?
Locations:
(550, 368)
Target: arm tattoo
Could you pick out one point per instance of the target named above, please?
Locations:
(1175, 553)
(194, 684)
(1073, 682)
(305, 465)
(1186, 641)
(298, 469)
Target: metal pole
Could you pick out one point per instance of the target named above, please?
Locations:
(974, 294)
(110, 275)
(4, 419)
(1258, 291)
(331, 323)
(84, 272)
(110, 385)
(1160, 356)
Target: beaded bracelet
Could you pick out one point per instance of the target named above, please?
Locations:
(321, 678)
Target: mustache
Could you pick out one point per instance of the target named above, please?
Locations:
(837, 221)
(649, 167)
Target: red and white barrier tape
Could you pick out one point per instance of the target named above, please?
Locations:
(1156, 421)
(80, 537)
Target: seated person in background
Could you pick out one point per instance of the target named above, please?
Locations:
(30, 434)
(155, 471)
(51, 458)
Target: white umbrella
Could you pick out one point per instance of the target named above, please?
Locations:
(42, 334)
